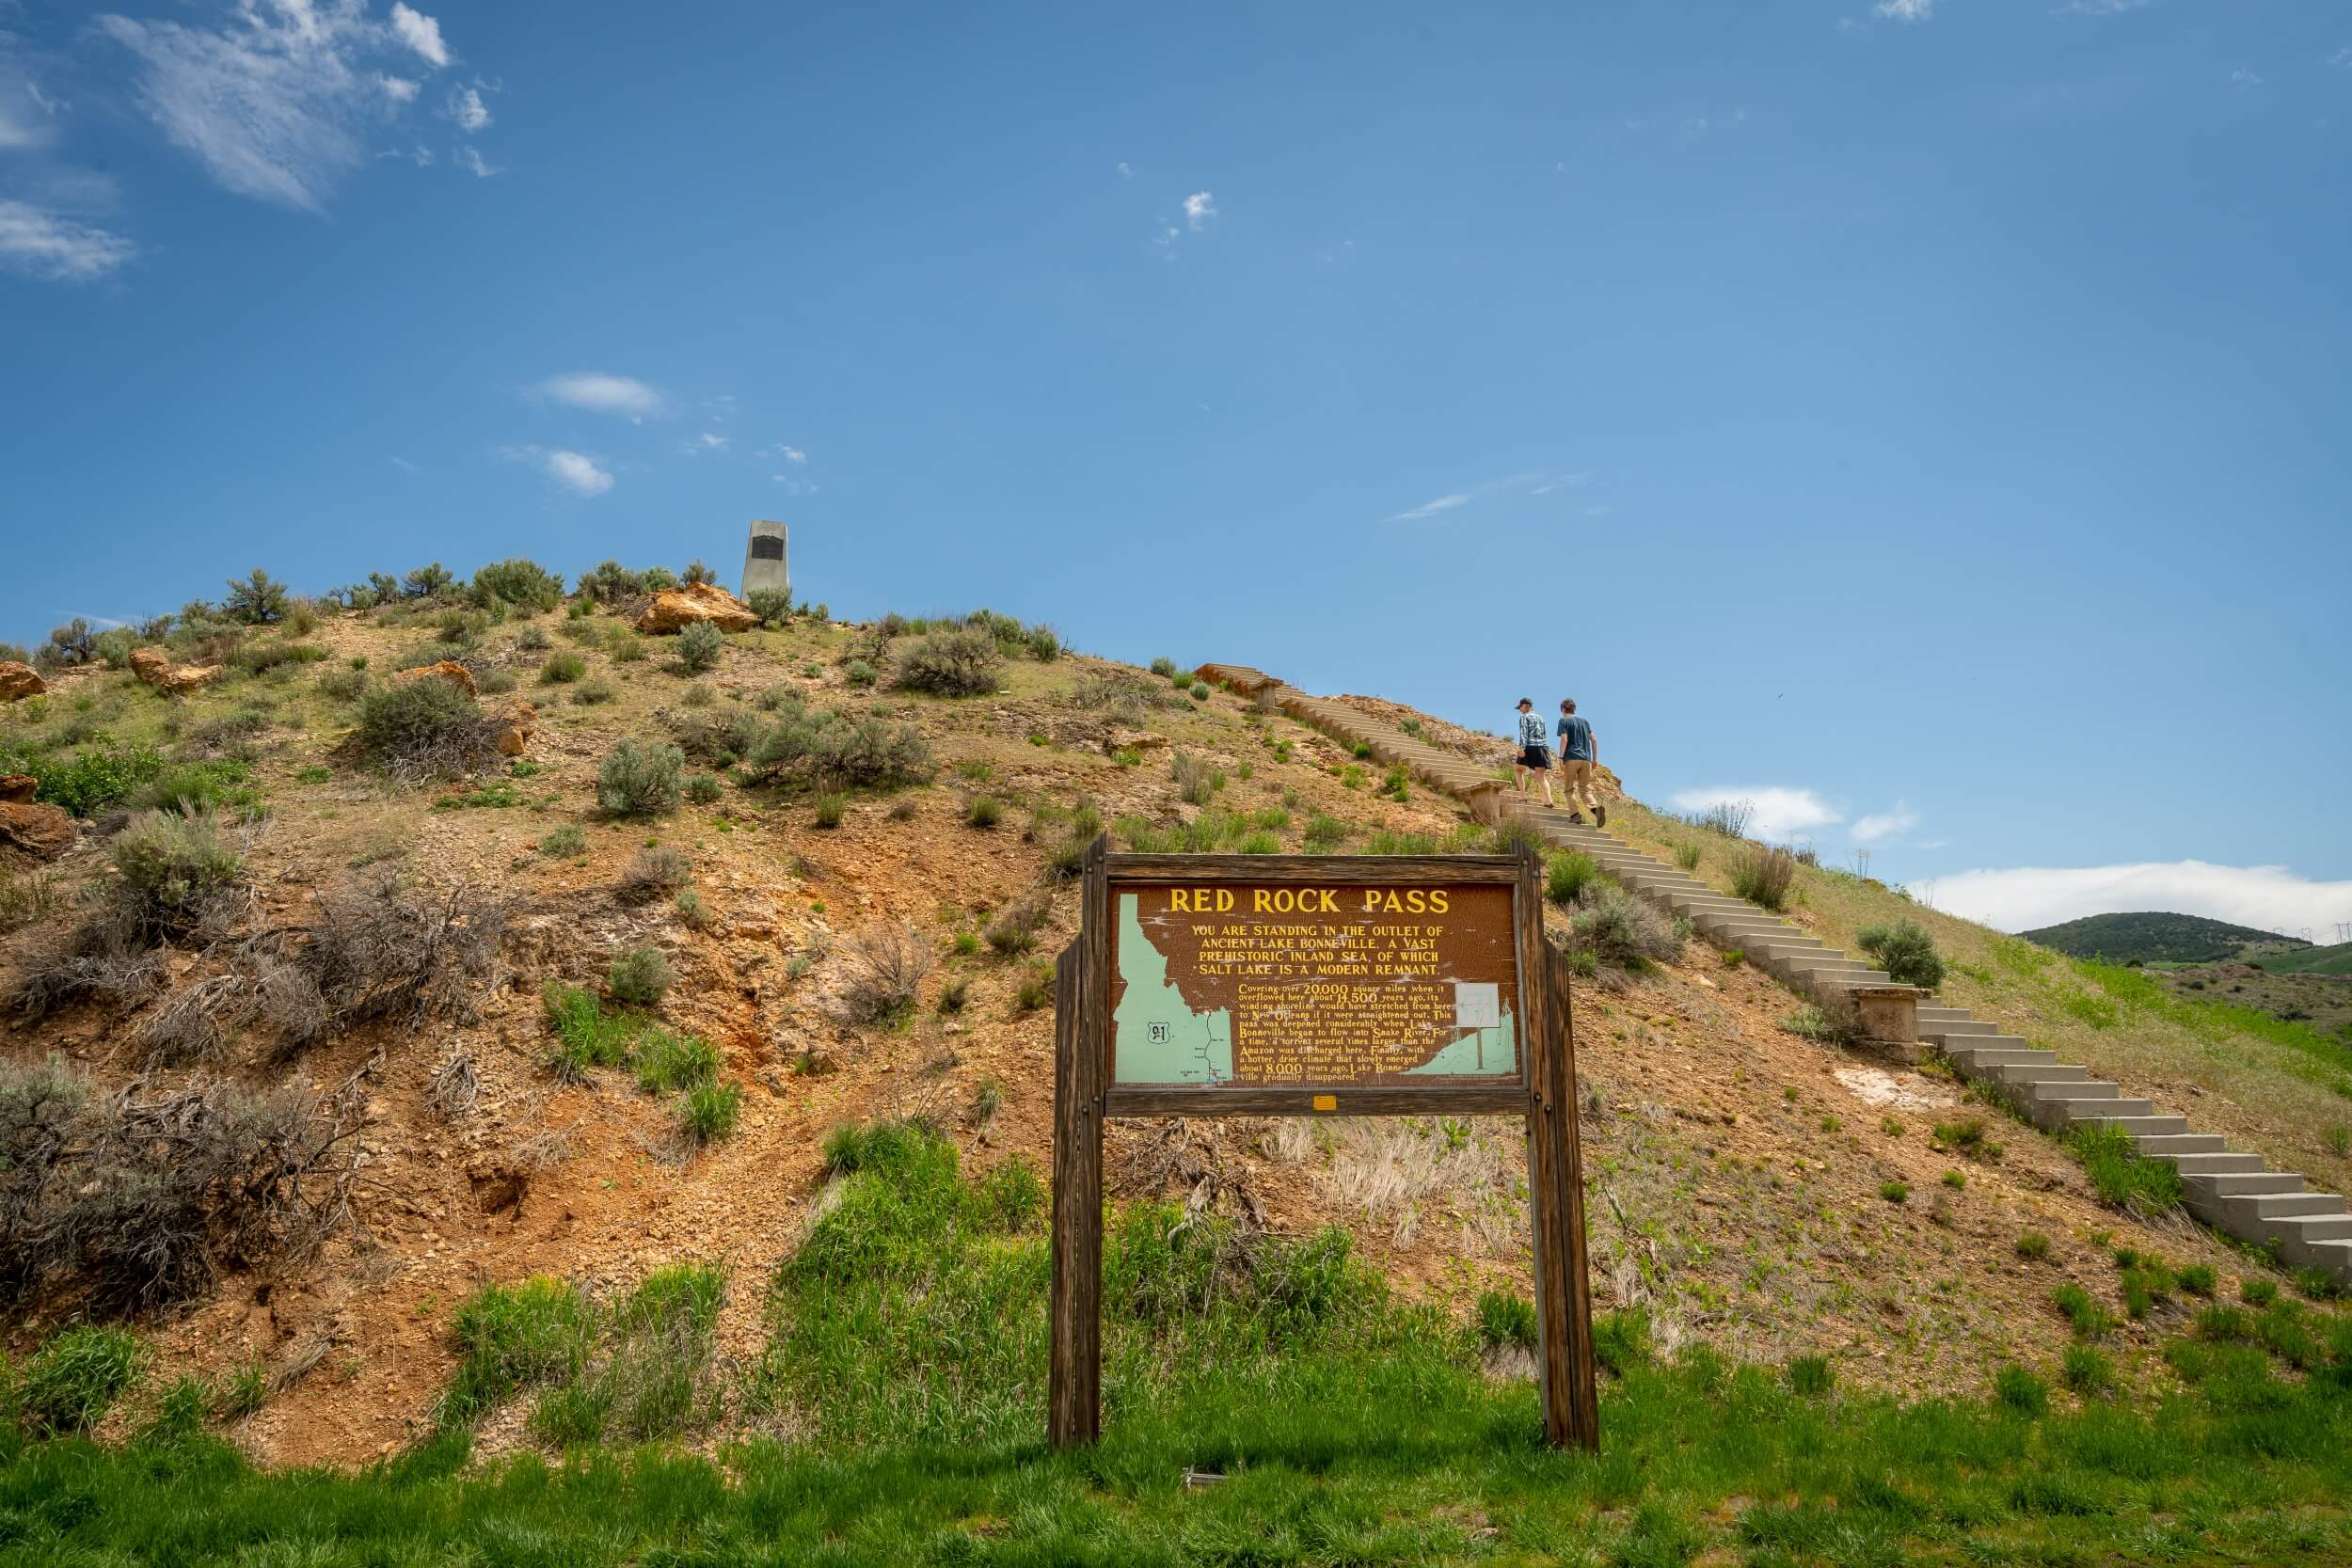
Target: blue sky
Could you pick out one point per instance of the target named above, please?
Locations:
(1927, 418)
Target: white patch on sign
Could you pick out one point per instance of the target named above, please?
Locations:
(1910, 1092)
(1477, 1005)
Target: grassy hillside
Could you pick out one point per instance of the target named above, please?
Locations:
(2334, 960)
(445, 1022)
(2152, 938)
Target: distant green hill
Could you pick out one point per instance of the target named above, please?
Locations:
(2154, 938)
(2309, 960)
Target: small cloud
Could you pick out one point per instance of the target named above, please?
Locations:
(398, 88)
(600, 393)
(42, 245)
(417, 30)
(28, 116)
(791, 454)
(1510, 484)
(1125, 173)
(475, 164)
(466, 107)
(1905, 10)
(2268, 897)
(404, 465)
(1776, 812)
(1199, 208)
(707, 442)
(2242, 77)
(2100, 8)
(2342, 58)
(577, 472)
(1886, 824)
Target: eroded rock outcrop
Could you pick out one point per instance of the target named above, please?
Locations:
(674, 609)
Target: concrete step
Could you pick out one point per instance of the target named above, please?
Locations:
(2333, 1256)
(2039, 1072)
(2055, 1111)
(1955, 1029)
(2280, 1206)
(2182, 1143)
(2145, 1125)
(2215, 1165)
(1984, 1060)
(2077, 1088)
(1930, 1013)
(2244, 1184)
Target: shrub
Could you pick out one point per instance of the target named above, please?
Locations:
(1042, 643)
(883, 970)
(1687, 856)
(1324, 834)
(92, 779)
(2086, 1372)
(1566, 874)
(1894, 1192)
(831, 808)
(561, 669)
(1905, 951)
(667, 1062)
(517, 580)
(1035, 989)
(628, 648)
(652, 872)
(959, 662)
(1164, 666)
(170, 865)
(697, 571)
(1200, 691)
(1837, 1022)
(1617, 931)
(2124, 1177)
(709, 1111)
(427, 582)
(639, 781)
(985, 811)
(342, 685)
(834, 752)
(75, 1379)
(564, 842)
(699, 646)
(1197, 781)
(425, 729)
(702, 789)
(1016, 926)
(1763, 875)
(255, 600)
(640, 977)
(773, 606)
(584, 1036)
(2021, 1391)
(1506, 1318)
(858, 672)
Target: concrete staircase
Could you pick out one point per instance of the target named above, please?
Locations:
(2234, 1193)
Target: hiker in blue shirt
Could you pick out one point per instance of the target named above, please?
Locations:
(1579, 754)
(1535, 755)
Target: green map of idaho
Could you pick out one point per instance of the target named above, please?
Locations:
(1161, 1039)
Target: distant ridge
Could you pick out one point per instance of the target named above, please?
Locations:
(2152, 937)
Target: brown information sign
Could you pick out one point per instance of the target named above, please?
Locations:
(1263, 985)
(1311, 985)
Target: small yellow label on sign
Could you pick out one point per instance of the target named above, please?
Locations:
(1327, 1102)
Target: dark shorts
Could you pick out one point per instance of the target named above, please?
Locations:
(1535, 757)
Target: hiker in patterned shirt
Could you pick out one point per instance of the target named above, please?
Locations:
(1535, 753)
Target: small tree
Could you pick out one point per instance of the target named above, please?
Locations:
(427, 582)
(699, 571)
(773, 606)
(1905, 951)
(255, 600)
(698, 647)
(72, 643)
(641, 781)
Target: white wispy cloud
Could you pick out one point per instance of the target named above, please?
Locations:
(466, 107)
(2242, 77)
(1125, 172)
(2100, 8)
(404, 465)
(413, 28)
(398, 88)
(28, 117)
(473, 163)
(791, 454)
(1886, 824)
(2268, 897)
(1200, 207)
(1905, 10)
(578, 473)
(1776, 812)
(2342, 58)
(1539, 484)
(708, 441)
(46, 245)
(601, 393)
(274, 103)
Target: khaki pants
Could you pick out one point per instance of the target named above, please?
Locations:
(1579, 777)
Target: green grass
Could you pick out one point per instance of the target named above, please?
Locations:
(907, 1358)
(2335, 959)
(2123, 1176)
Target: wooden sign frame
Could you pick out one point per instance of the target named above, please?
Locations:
(1544, 1092)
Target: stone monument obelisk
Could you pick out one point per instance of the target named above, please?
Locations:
(764, 564)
